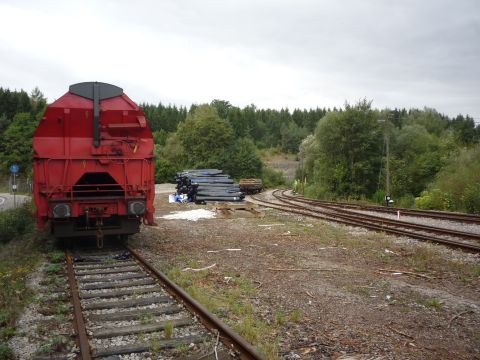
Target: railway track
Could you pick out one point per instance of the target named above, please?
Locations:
(123, 305)
(441, 215)
(394, 227)
(383, 220)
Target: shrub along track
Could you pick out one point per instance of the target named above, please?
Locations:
(118, 295)
(312, 208)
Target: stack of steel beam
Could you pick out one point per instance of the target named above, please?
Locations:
(203, 185)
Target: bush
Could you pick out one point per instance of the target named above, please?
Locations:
(379, 197)
(272, 178)
(16, 222)
(434, 200)
(406, 201)
(458, 183)
(164, 171)
(471, 198)
(242, 160)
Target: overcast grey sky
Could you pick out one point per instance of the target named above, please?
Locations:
(273, 53)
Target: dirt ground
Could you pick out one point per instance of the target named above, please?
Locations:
(355, 294)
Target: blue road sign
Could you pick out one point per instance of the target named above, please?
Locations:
(14, 168)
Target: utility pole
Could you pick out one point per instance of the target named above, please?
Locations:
(388, 196)
(387, 165)
(303, 174)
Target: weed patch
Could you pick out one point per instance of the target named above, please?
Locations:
(5, 352)
(232, 302)
(168, 330)
(432, 303)
(15, 265)
(296, 316)
(56, 257)
(53, 269)
(54, 345)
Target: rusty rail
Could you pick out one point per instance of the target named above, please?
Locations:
(230, 338)
(302, 210)
(383, 220)
(77, 308)
(433, 214)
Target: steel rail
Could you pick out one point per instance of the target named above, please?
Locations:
(341, 219)
(366, 221)
(80, 328)
(434, 214)
(210, 321)
(393, 222)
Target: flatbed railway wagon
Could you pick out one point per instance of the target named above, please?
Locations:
(93, 164)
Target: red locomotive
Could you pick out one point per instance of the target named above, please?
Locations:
(93, 164)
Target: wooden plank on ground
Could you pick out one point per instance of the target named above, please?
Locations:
(235, 206)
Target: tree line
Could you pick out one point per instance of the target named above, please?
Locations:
(266, 127)
(434, 162)
(434, 159)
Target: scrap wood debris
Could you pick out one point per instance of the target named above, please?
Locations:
(456, 316)
(217, 251)
(298, 269)
(400, 333)
(201, 269)
(401, 272)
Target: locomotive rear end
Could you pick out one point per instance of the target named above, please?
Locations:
(93, 164)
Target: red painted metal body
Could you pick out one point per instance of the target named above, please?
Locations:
(96, 182)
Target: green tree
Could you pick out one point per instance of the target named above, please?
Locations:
(417, 156)
(164, 171)
(205, 137)
(160, 137)
(38, 101)
(174, 152)
(430, 119)
(243, 160)
(222, 107)
(348, 153)
(291, 136)
(17, 142)
(464, 130)
(457, 184)
(4, 122)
